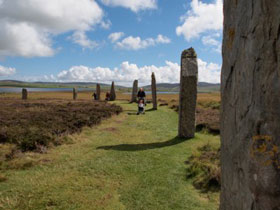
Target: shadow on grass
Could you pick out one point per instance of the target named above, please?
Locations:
(132, 113)
(150, 110)
(141, 147)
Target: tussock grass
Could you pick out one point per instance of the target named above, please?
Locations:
(204, 167)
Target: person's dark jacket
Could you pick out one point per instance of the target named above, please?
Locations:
(141, 94)
(107, 97)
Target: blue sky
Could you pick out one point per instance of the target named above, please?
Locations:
(69, 41)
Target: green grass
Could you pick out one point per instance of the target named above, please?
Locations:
(128, 162)
(204, 167)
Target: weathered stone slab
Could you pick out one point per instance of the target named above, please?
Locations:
(154, 91)
(75, 94)
(98, 92)
(24, 94)
(134, 91)
(113, 92)
(188, 94)
(250, 120)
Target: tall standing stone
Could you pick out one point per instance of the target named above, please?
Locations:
(154, 91)
(75, 94)
(250, 120)
(112, 92)
(134, 91)
(188, 93)
(24, 94)
(98, 91)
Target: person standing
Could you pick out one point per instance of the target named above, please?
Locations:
(141, 107)
(141, 94)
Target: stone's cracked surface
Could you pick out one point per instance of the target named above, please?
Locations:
(154, 91)
(134, 91)
(24, 94)
(98, 91)
(250, 116)
(113, 92)
(188, 94)
(75, 94)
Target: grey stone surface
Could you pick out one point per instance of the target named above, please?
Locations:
(134, 91)
(98, 91)
(113, 92)
(154, 91)
(75, 94)
(188, 94)
(250, 120)
(24, 94)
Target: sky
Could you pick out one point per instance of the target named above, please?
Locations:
(108, 40)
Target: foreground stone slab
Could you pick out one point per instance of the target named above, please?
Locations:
(113, 92)
(75, 94)
(250, 120)
(134, 91)
(24, 94)
(188, 94)
(98, 91)
(154, 91)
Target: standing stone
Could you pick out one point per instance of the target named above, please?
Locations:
(75, 94)
(188, 94)
(250, 120)
(98, 92)
(24, 94)
(154, 91)
(134, 91)
(112, 92)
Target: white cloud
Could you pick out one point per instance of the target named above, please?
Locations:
(6, 71)
(201, 18)
(106, 24)
(115, 36)
(22, 39)
(208, 40)
(134, 5)
(136, 43)
(80, 37)
(212, 42)
(27, 26)
(127, 73)
(162, 39)
(208, 72)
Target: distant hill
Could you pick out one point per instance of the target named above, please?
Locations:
(11, 81)
(202, 87)
(72, 83)
(168, 87)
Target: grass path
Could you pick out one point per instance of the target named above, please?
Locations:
(128, 162)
